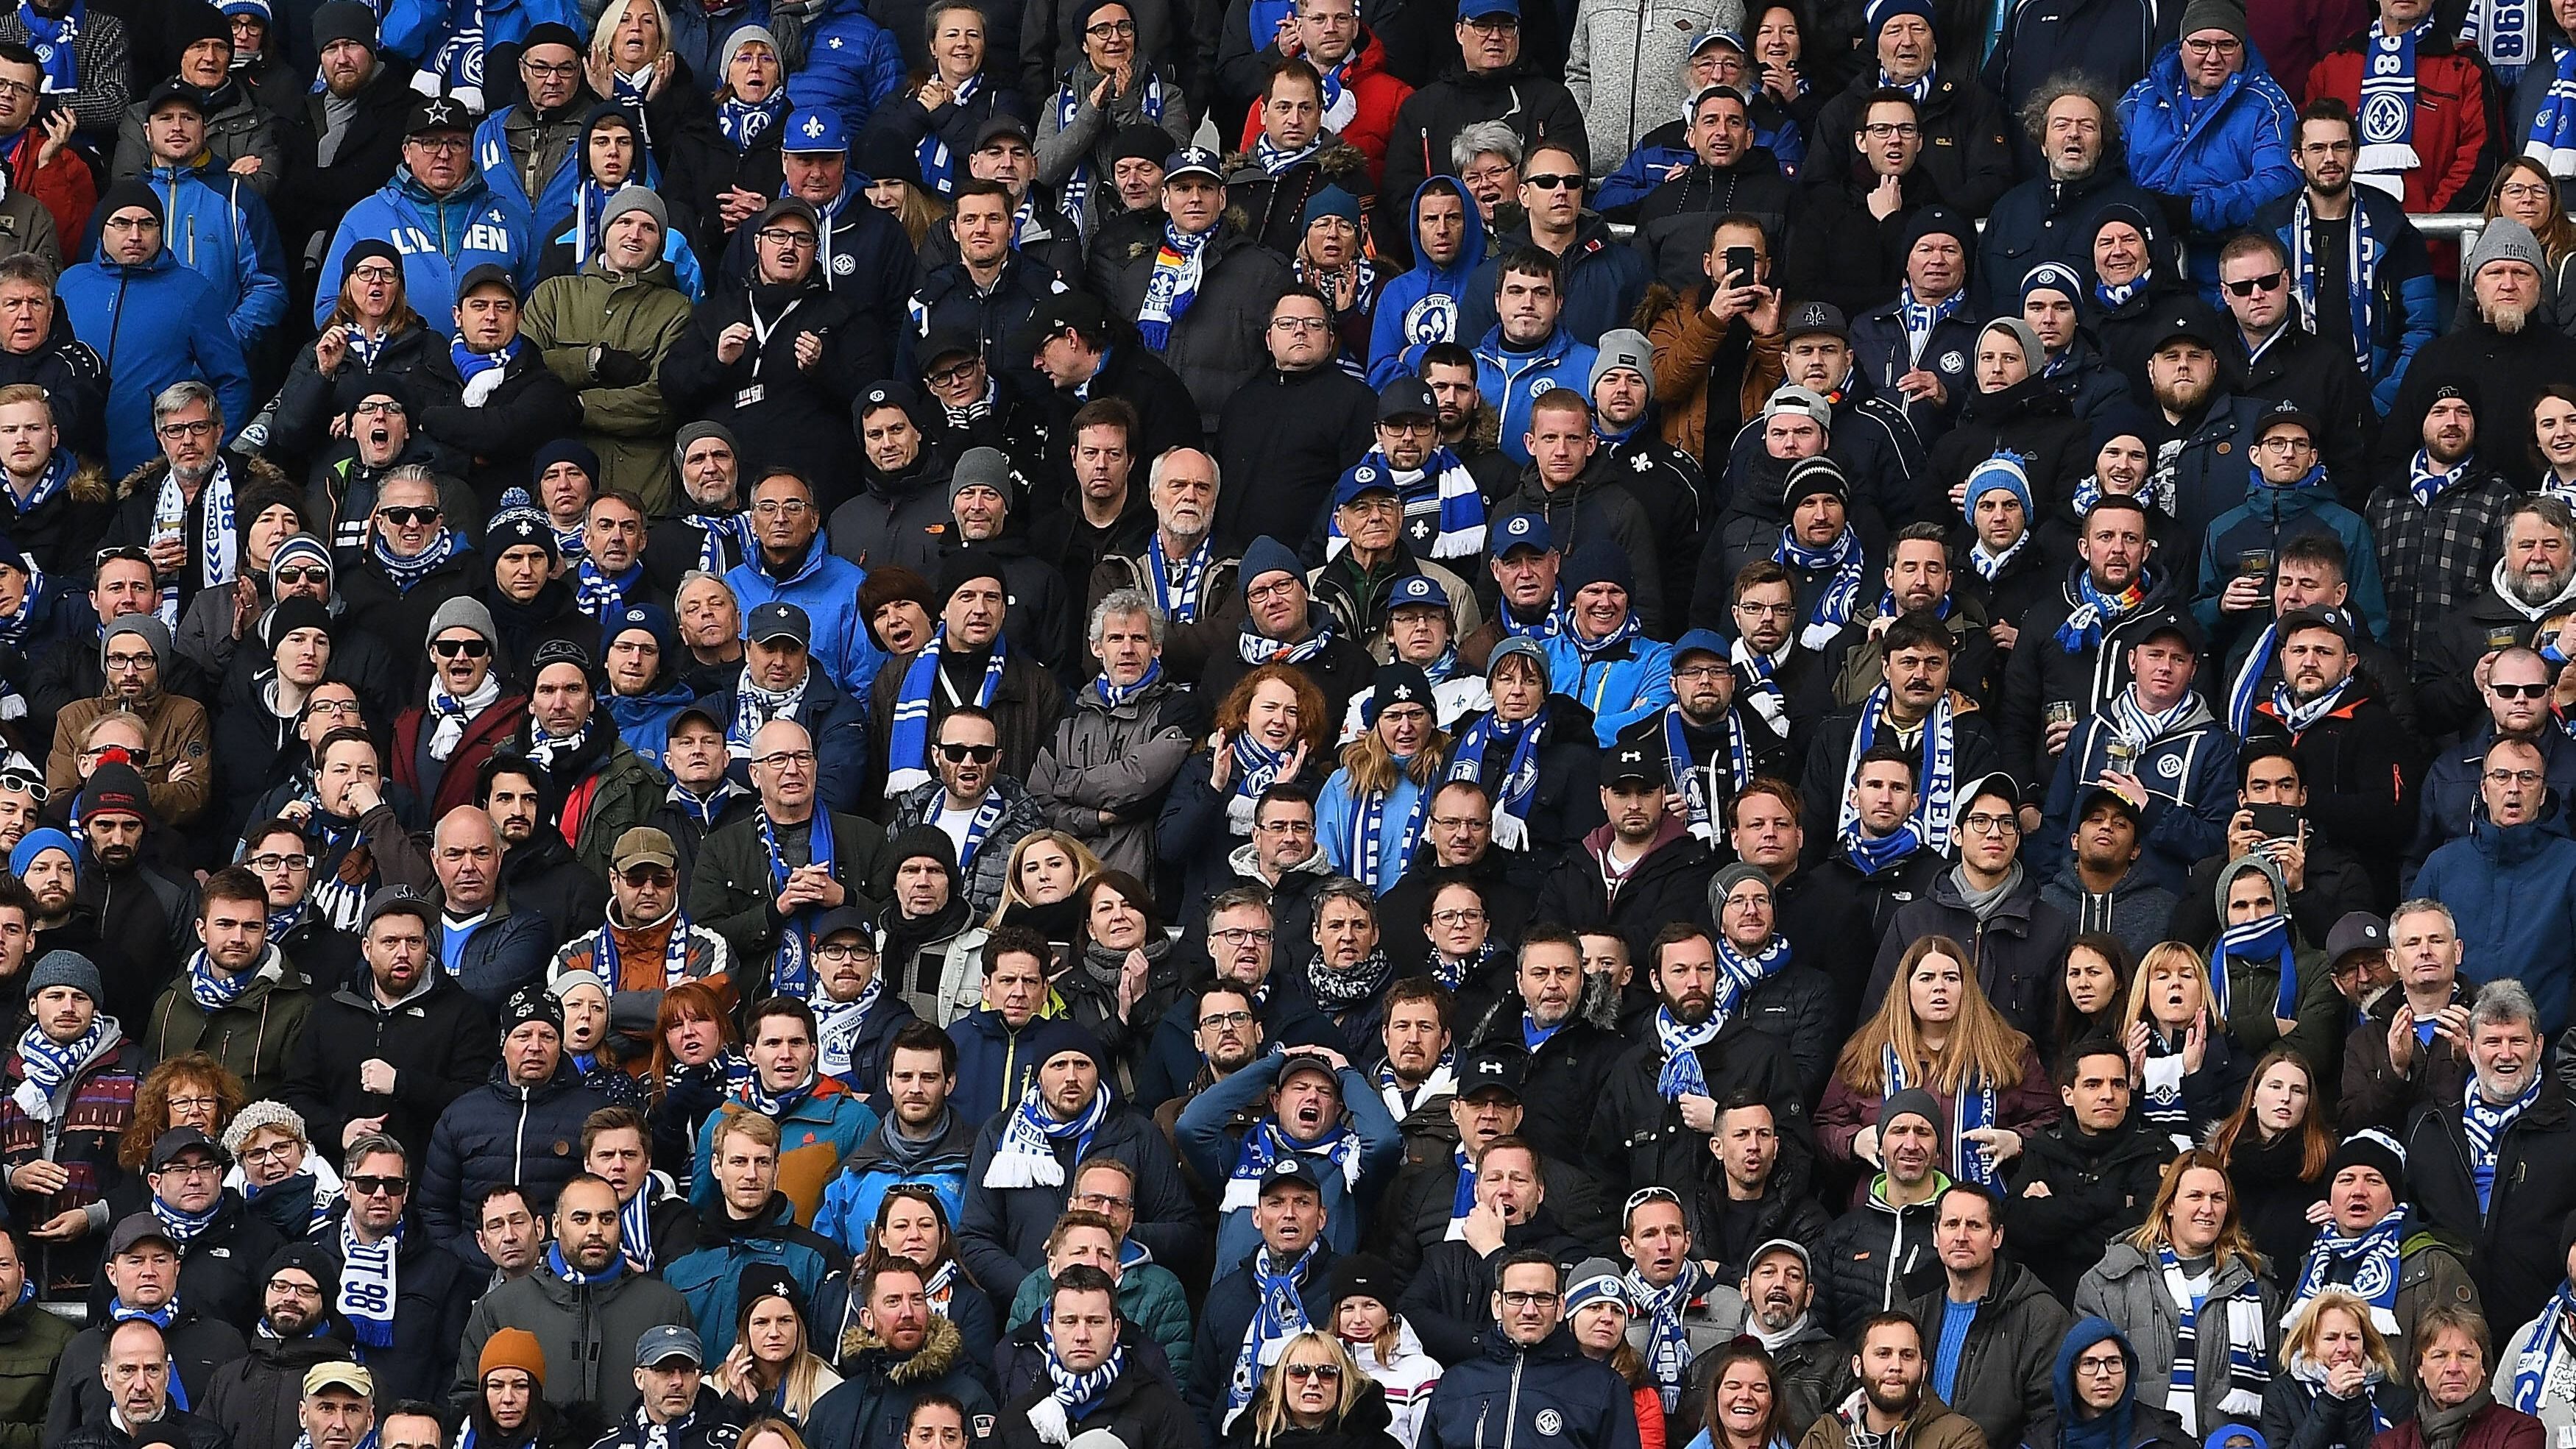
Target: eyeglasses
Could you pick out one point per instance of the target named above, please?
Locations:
(1330, 1373)
(274, 1152)
(1528, 1300)
(2098, 1368)
(960, 754)
(1291, 827)
(785, 236)
(2524, 778)
(201, 428)
(1553, 181)
(1100, 1202)
(2248, 286)
(316, 574)
(378, 408)
(543, 71)
(420, 517)
(781, 759)
(2522, 191)
(129, 661)
(845, 951)
(135, 755)
(379, 1186)
(2287, 445)
(267, 864)
(335, 708)
(1242, 935)
(1109, 28)
(1982, 824)
(780, 507)
(1300, 324)
(460, 648)
(376, 276)
(1462, 916)
(1889, 130)
(1225, 1019)
(194, 1104)
(953, 374)
(2224, 45)
(16, 90)
(1461, 822)
(2519, 691)
(193, 1167)
(439, 143)
(647, 875)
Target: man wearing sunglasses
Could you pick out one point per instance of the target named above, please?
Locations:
(647, 941)
(412, 562)
(2517, 698)
(469, 712)
(2275, 355)
(984, 812)
(403, 1295)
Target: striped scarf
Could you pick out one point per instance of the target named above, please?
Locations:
(2296, 717)
(1117, 696)
(938, 167)
(2247, 689)
(1266, 1143)
(2545, 1369)
(792, 970)
(1275, 161)
(2139, 726)
(675, 953)
(184, 1227)
(1991, 565)
(1695, 785)
(369, 1275)
(1974, 1107)
(1180, 265)
(908, 739)
(2366, 1265)
(601, 596)
(2485, 1127)
(1025, 1155)
(754, 707)
(635, 1227)
(1278, 1314)
(2095, 611)
(213, 992)
(1755, 672)
(1938, 776)
(1072, 1395)
(1444, 514)
(1738, 974)
(1257, 648)
(1920, 88)
(2246, 1370)
(48, 1065)
(1518, 788)
(2256, 943)
(715, 531)
(1176, 587)
(2388, 110)
(2504, 30)
(1681, 1075)
(2363, 247)
(1374, 859)
(1921, 317)
(407, 573)
(1833, 607)
(2424, 481)
(837, 1025)
(1668, 1355)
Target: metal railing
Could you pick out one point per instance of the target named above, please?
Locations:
(2462, 226)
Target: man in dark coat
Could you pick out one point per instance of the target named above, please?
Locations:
(1569, 1053)
(899, 1353)
(1527, 1373)
(1492, 80)
(2051, 217)
(1966, 148)
(2096, 1170)
(220, 1262)
(1082, 1338)
(254, 1397)
(2502, 282)
(411, 1339)
(388, 1056)
(143, 1267)
(1658, 866)
(1207, 339)
(2020, 941)
(1997, 1373)
(1227, 1357)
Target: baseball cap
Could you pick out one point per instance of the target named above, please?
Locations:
(643, 845)
(2356, 931)
(437, 113)
(1291, 1170)
(2169, 619)
(1701, 641)
(1814, 317)
(1418, 591)
(1522, 530)
(339, 1373)
(1192, 159)
(1364, 479)
(487, 274)
(1002, 124)
(1479, 9)
(666, 1341)
(814, 129)
(778, 620)
(1492, 1069)
(1304, 1061)
(945, 343)
(167, 1147)
(1406, 397)
(1630, 762)
(139, 1228)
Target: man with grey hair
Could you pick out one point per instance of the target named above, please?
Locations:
(2534, 580)
(1194, 587)
(1103, 775)
(186, 507)
(710, 535)
(2496, 1167)
(413, 562)
(2511, 882)
(2505, 342)
(2412, 1045)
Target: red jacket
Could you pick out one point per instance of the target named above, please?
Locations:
(484, 735)
(1377, 94)
(64, 185)
(2457, 120)
(2497, 1426)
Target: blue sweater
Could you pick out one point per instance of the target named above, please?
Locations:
(1337, 819)
(1510, 379)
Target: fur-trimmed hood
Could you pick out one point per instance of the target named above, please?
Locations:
(1345, 165)
(940, 1352)
(251, 470)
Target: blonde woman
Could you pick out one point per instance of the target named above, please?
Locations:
(1314, 1397)
(1936, 1030)
(631, 62)
(772, 1365)
(2180, 1056)
(2191, 1261)
(1382, 1343)
(1042, 890)
(2338, 1387)
(1369, 818)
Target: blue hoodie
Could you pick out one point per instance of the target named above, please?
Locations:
(440, 241)
(221, 230)
(1421, 306)
(1510, 379)
(2114, 1430)
(153, 325)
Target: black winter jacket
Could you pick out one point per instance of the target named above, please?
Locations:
(502, 1132)
(1638, 1137)
(1535, 104)
(1876, 1257)
(1139, 1408)
(2005, 1373)
(2019, 953)
(440, 1044)
(198, 1346)
(1667, 885)
(1564, 1075)
(1507, 1395)
(2514, 1256)
(1226, 1319)
(255, 1397)
(433, 1291)
(223, 1270)
(1967, 150)
(2099, 1186)
(1450, 1302)
(1001, 1234)
(1296, 431)
(785, 415)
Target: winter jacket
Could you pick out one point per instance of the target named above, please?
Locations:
(2227, 155)
(1529, 1389)
(1150, 1302)
(2099, 1186)
(1967, 150)
(217, 225)
(838, 723)
(2190, 775)
(2042, 220)
(643, 314)
(1299, 430)
(2127, 1288)
(1215, 346)
(848, 1213)
(815, 1136)
(786, 415)
(1139, 1407)
(66, 185)
(1624, 680)
(1932, 1425)
(440, 1044)
(2433, 558)
(199, 1345)
(1115, 760)
(1666, 885)
(222, 1271)
(989, 868)
(441, 239)
(2003, 1382)
(878, 1388)
(153, 324)
(31, 1343)
(900, 518)
(1214, 1153)
(1709, 378)
(1002, 1235)
(2457, 124)
(827, 589)
(254, 1397)
(253, 1035)
(1637, 1134)
(2399, 282)
(2042, 670)
(2111, 42)
(502, 1132)
(1877, 1256)
(2019, 951)
(1225, 1322)
(2509, 887)
(2497, 1426)
(852, 64)
(586, 1327)
(175, 1426)
(2298, 1414)
(710, 1274)
(433, 1291)
(1673, 220)
(1523, 96)
(1598, 281)
(2269, 517)
(730, 891)
(2360, 767)
(94, 1106)
(2448, 800)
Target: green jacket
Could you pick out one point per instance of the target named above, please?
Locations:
(624, 794)
(629, 427)
(31, 1340)
(1148, 1297)
(251, 1037)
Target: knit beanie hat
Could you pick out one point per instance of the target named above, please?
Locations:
(2034, 353)
(304, 549)
(2202, 15)
(2504, 240)
(1266, 556)
(2055, 277)
(512, 1348)
(1332, 201)
(634, 196)
(1623, 347)
(531, 1003)
(1811, 476)
(344, 20)
(462, 612)
(2374, 1149)
(2004, 471)
(1596, 1280)
(146, 627)
(1912, 1102)
(1597, 561)
(65, 968)
(35, 843)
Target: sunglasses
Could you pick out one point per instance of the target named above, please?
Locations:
(379, 1186)
(409, 517)
(452, 648)
(1328, 1372)
(2251, 285)
(2520, 691)
(646, 875)
(136, 755)
(1553, 181)
(959, 754)
(32, 786)
(315, 574)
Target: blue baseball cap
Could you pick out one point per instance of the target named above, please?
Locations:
(1479, 9)
(1701, 641)
(814, 128)
(1418, 591)
(1522, 530)
(1364, 478)
(1727, 38)
(1198, 159)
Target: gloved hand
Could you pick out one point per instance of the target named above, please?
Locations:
(612, 367)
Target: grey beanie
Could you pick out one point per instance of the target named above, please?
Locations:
(152, 630)
(2507, 240)
(1623, 347)
(2034, 353)
(634, 197)
(2202, 15)
(65, 968)
(698, 432)
(1723, 884)
(462, 612)
(742, 35)
(988, 467)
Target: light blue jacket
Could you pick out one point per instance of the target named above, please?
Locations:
(440, 241)
(2229, 153)
(1337, 817)
(852, 64)
(1620, 686)
(1510, 379)
(826, 587)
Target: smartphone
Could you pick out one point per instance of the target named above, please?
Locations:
(2275, 822)
(1739, 263)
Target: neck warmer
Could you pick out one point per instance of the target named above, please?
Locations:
(1982, 904)
(2257, 944)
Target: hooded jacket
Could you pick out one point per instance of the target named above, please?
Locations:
(2271, 516)
(586, 1328)
(640, 313)
(1507, 1395)
(879, 1386)
(2003, 1379)
(441, 239)
(848, 1213)
(152, 324)
(218, 226)
(2135, 1425)
(1598, 280)
(252, 1035)
(1421, 305)
(710, 1275)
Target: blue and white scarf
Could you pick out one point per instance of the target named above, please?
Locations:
(2387, 112)
(1920, 88)
(1547, 626)
(2296, 717)
(1117, 696)
(1990, 565)
(2256, 943)
(1179, 266)
(1278, 1314)
(119, 1311)
(1462, 1199)
(1266, 1144)
(2485, 1127)
(471, 364)
(218, 545)
(1869, 856)
(1518, 788)
(1681, 1074)
(52, 39)
(938, 166)
(1936, 779)
(2246, 1370)
(1073, 194)
(792, 969)
(979, 825)
(184, 1227)
(754, 1093)
(368, 1285)
(600, 596)
(675, 953)
(1444, 514)
(2246, 691)
(754, 707)
(1455, 972)
(1919, 318)
(1025, 1157)
(1833, 607)
(407, 573)
(1257, 648)
(1738, 974)
(2363, 250)
(2545, 1369)
(1073, 1395)
(2095, 611)
(837, 1025)
(1374, 859)
(908, 739)
(1629, 628)
(2140, 727)
(48, 1064)
(2366, 1265)
(2112, 296)
(1691, 782)
(556, 1263)
(1176, 586)
(1668, 1353)
(744, 122)
(49, 484)
(2426, 482)
(715, 530)
(705, 809)
(1276, 161)
(1341, 103)
(635, 1227)
(1973, 1108)
(2505, 30)
(212, 992)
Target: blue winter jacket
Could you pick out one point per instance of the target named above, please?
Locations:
(2229, 153)
(1337, 817)
(221, 230)
(1548, 1394)
(416, 29)
(852, 64)
(440, 241)
(710, 1276)
(826, 587)
(849, 1210)
(2271, 516)
(994, 1063)
(2513, 891)
(1212, 1152)
(1421, 306)
(644, 720)
(501, 172)
(153, 325)
(1510, 379)
(1620, 686)
(2190, 775)
(838, 721)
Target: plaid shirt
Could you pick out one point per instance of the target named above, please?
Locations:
(2431, 559)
